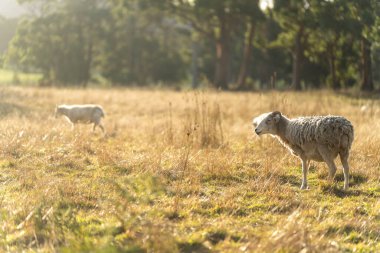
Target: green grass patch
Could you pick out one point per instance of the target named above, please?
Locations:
(9, 77)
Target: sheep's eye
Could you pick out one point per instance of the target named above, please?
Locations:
(269, 120)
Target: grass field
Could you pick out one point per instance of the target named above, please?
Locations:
(8, 77)
(179, 172)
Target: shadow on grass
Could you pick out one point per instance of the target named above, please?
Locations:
(192, 247)
(339, 192)
(221, 179)
(174, 216)
(216, 236)
(345, 229)
(355, 178)
(290, 179)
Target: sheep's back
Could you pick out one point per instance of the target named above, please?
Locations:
(333, 131)
(84, 113)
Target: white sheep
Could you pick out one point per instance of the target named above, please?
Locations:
(318, 138)
(87, 114)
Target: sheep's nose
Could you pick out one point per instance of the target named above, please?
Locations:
(257, 131)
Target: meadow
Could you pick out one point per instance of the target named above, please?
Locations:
(9, 77)
(180, 172)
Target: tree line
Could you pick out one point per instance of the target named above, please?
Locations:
(227, 44)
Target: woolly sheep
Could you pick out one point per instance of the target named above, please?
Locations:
(318, 138)
(82, 114)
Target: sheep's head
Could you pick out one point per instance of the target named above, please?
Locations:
(58, 111)
(266, 123)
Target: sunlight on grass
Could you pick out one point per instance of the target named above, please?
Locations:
(179, 172)
(10, 77)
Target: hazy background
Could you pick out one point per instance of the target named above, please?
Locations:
(238, 45)
(11, 8)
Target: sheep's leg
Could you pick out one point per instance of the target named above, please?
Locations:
(332, 168)
(101, 127)
(305, 168)
(346, 168)
(94, 127)
(329, 160)
(98, 123)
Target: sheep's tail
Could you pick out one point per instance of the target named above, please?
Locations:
(346, 135)
(350, 134)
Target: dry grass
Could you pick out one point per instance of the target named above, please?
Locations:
(179, 172)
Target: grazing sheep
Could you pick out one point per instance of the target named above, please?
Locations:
(82, 114)
(318, 138)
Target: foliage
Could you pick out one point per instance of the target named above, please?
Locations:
(142, 46)
(7, 30)
(228, 44)
(61, 41)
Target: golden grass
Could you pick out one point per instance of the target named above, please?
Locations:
(179, 172)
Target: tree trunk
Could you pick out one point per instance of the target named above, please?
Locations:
(222, 56)
(194, 64)
(366, 66)
(88, 65)
(246, 56)
(297, 59)
(332, 65)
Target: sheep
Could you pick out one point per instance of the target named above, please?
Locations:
(318, 138)
(81, 114)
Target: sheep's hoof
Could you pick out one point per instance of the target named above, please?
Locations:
(304, 187)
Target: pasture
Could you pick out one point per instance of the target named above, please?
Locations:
(180, 172)
(9, 77)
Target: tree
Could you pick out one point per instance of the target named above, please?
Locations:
(308, 43)
(7, 31)
(60, 40)
(253, 15)
(294, 17)
(217, 20)
(330, 41)
(142, 45)
(365, 13)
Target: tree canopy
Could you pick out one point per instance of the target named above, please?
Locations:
(228, 44)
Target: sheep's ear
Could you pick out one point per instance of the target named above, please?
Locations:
(276, 116)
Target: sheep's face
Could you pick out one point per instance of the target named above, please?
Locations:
(58, 112)
(266, 123)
